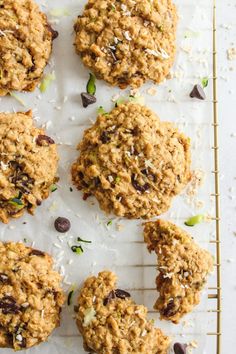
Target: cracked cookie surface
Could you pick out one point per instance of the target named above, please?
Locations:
(28, 165)
(133, 163)
(127, 42)
(110, 321)
(25, 45)
(30, 296)
(183, 266)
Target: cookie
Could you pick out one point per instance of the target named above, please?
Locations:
(25, 45)
(133, 163)
(30, 296)
(183, 267)
(111, 322)
(28, 165)
(129, 42)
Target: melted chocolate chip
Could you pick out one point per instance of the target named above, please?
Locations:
(20, 179)
(110, 297)
(121, 294)
(38, 202)
(62, 224)
(97, 181)
(118, 293)
(54, 33)
(105, 138)
(87, 99)
(23, 343)
(137, 186)
(198, 92)
(135, 131)
(37, 253)
(4, 278)
(180, 348)
(170, 310)
(86, 196)
(9, 306)
(44, 139)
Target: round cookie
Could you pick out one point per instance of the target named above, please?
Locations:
(25, 45)
(127, 42)
(133, 163)
(111, 322)
(28, 165)
(30, 296)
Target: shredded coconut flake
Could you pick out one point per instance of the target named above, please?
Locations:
(127, 36)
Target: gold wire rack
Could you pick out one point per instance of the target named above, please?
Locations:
(217, 290)
(214, 291)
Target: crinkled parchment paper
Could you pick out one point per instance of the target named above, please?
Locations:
(115, 246)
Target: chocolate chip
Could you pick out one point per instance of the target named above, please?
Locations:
(37, 253)
(121, 294)
(87, 99)
(86, 196)
(110, 297)
(62, 224)
(170, 310)
(198, 92)
(135, 131)
(137, 186)
(21, 180)
(38, 202)
(9, 306)
(97, 181)
(4, 278)
(54, 33)
(23, 343)
(180, 348)
(105, 138)
(44, 140)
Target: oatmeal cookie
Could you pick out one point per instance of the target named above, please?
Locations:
(25, 45)
(30, 296)
(133, 163)
(28, 165)
(183, 267)
(127, 42)
(111, 322)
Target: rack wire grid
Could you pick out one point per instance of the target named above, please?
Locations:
(214, 292)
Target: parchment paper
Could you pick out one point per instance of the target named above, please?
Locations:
(61, 111)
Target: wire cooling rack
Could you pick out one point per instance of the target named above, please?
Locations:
(216, 291)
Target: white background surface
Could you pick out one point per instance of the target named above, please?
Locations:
(227, 108)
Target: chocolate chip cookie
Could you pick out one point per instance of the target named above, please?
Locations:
(133, 163)
(111, 322)
(127, 42)
(28, 165)
(25, 45)
(30, 296)
(183, 268)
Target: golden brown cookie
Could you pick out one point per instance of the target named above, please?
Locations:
(133, 163)
(30, 296)
(183, 267)
(127, 42)
(111, 322)
(25, 45)
(28, 165)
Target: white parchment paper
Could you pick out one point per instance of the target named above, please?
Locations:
(60, 110)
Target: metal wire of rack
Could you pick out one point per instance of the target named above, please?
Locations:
(217, 241)
(214, 291)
